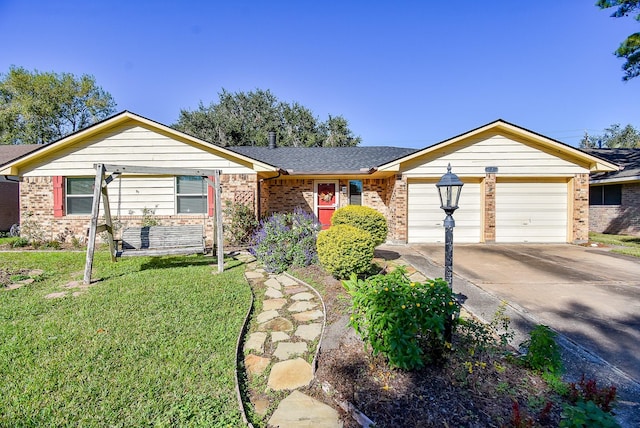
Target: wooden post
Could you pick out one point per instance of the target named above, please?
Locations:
(218, 214)
(107, 218)
(95, 211)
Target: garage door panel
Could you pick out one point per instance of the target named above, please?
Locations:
(425, 218)
(531, 212)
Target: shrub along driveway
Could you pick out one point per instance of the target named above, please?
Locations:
(587, 294)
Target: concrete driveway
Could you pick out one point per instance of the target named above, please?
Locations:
(590, 295)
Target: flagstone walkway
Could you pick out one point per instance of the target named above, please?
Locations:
(282, 347)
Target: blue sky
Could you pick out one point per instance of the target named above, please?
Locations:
(403, 73)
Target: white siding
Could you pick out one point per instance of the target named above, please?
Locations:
(531, 212)
(131, 145)
(425, 218)
(130, 195)
(512, 158)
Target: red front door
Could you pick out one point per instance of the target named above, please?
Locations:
(326, 201)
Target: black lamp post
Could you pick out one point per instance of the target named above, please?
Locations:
(449, 188)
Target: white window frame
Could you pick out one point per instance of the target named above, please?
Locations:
(361, 191)
(68, 196)
(203, 196)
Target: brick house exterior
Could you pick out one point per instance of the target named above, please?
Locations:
(10, 189)
(614, 201)
(397, 182)
(623, 219)
(37, 202)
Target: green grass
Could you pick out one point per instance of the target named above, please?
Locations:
(152, 343)
(8, 240)
(629, 245)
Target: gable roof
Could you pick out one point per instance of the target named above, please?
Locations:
(315, 160)
(14, 167)
(325, 160)
(9, 152)
(627, 159)
(500, 126)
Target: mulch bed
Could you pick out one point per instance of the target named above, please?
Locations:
(446, 394)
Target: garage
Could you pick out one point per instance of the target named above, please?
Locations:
(531, 211)
(425, 217)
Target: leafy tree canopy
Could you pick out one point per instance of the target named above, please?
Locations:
(245, 119)
(37, 108)
(629, 48)
(614, 136)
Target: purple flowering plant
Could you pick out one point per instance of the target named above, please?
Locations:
(286, 239)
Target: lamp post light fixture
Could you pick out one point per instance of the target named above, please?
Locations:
(449, 188)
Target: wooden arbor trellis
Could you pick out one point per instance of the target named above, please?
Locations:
(101, 192)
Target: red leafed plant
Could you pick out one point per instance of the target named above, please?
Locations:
(520, 418)
(587, 390)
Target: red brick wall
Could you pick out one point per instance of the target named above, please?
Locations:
(284, 195)
(623, 219)
(580, 209)
(490, 207)
(397, 216)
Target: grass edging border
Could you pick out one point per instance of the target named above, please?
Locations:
(239, 352)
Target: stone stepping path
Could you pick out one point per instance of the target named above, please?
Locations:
(282, 348)
(73, 288)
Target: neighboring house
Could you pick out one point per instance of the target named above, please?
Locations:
(614, 197)
(9, 187)
(519, 186)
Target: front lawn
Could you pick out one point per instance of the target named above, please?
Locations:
(153, 343)
(623, 244)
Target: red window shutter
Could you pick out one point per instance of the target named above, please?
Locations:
(58, 196)
(210, 198)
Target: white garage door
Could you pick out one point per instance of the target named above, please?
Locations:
(531, 212)
(425, 217)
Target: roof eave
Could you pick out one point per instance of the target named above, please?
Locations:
(13, 167)
(361, 171)
(595, 164)
(614, 180)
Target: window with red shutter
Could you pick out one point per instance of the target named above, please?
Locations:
(210, 198)
(58, 196)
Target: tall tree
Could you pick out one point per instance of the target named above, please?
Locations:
(37, 108)
(630, 47)
(245, 119)
(615, 136)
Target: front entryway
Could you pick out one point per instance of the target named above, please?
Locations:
(325, 201)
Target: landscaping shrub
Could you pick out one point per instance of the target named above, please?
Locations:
(402, 320)
(344, 249)
(149, 217)
(286, 239)
(20, 242)
(587, 390)
(365, 218)
(586, 414)
(543, 353)
(33, 231)
(477, 337)
(241, 225)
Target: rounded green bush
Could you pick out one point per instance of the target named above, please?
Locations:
(345, 249)
(365, 218)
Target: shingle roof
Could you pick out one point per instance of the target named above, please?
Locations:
(324, 160)
(9, 152)
(627, 159)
